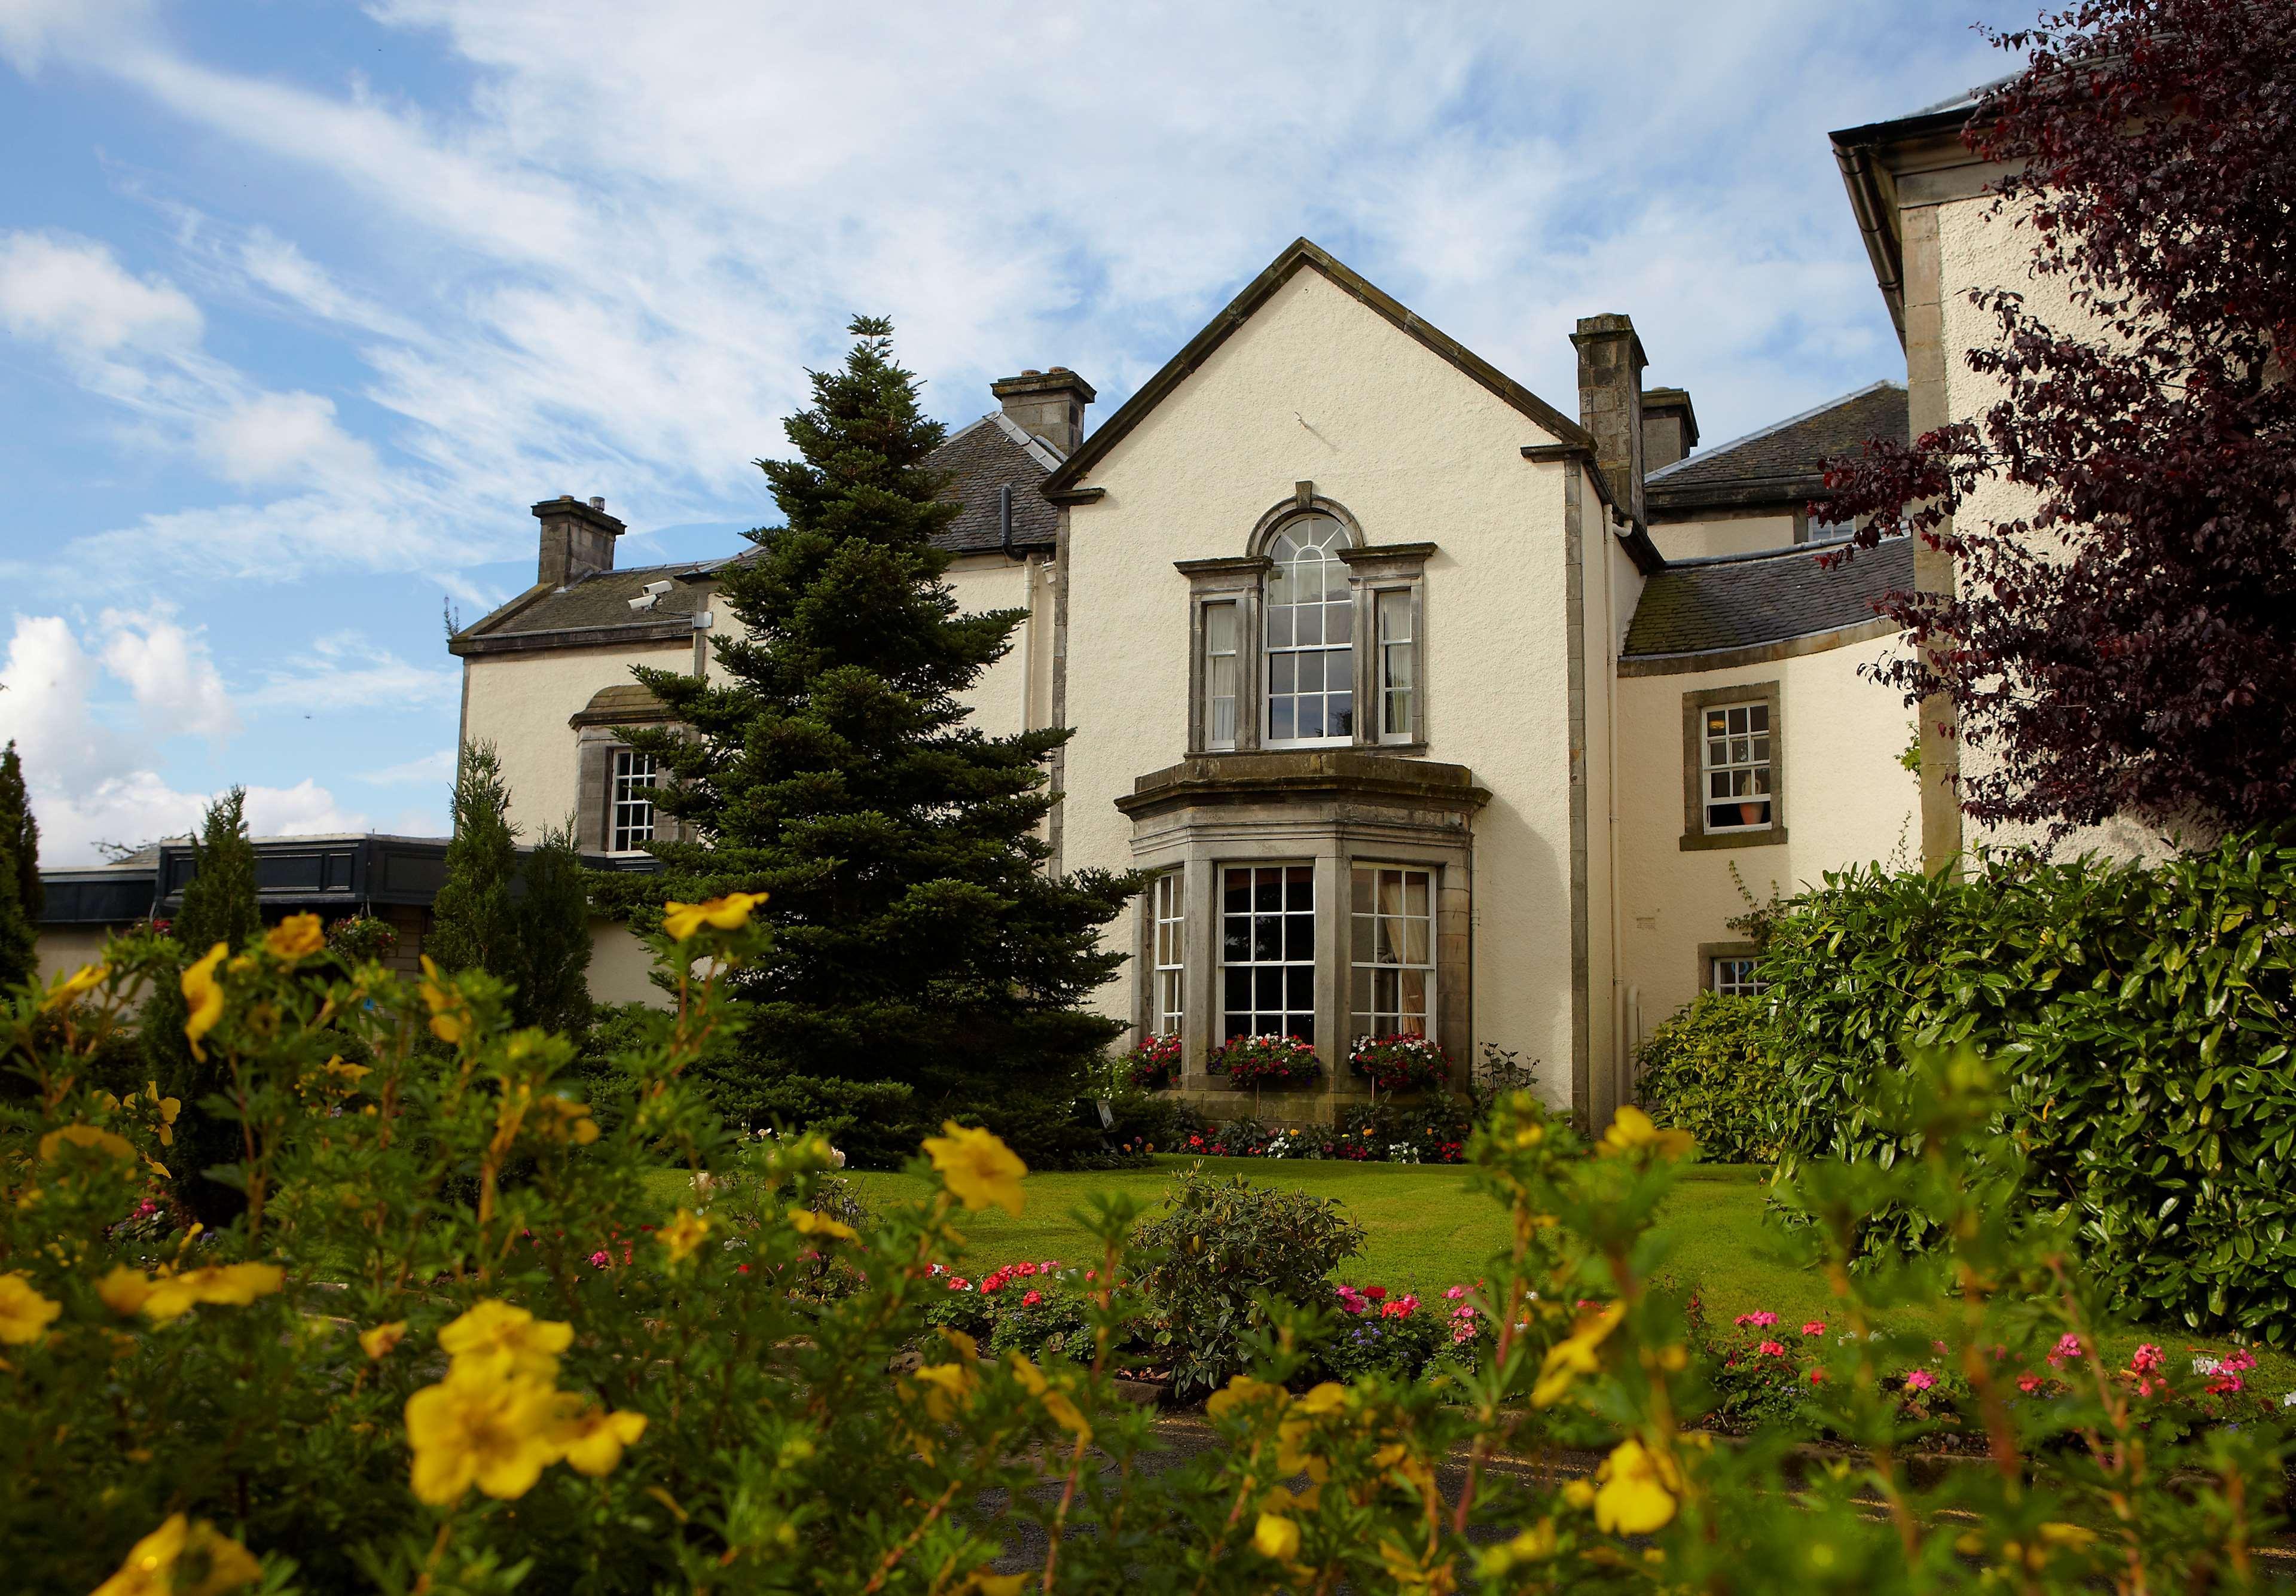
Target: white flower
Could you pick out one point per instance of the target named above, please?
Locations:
(2288, 1399)
(2206, 1365)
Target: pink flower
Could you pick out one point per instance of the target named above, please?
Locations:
(1920, 1379)
(959, 1283)
(1761, 1320)
(2068, 1348)
(1456, 1293)
(1815, 1327)
(1032, 1299)
(599, 1259)
(2147, 1358)
(1771, 1349)
(2029, 1383)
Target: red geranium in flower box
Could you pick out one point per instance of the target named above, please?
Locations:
(1268, 1061)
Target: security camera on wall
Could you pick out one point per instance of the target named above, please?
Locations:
(648, 597)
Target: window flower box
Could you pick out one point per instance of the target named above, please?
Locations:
(1155, 1064)
(1261, 1061)
(1401, 1063)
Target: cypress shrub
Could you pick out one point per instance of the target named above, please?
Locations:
(551, 926)
(473, 927)
(2142, 1018)
(20, 894)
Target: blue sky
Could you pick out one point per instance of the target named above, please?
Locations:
(302, 305)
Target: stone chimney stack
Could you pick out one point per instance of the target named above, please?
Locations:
(1047, 405)
(1610, 362)
(576, 538)
(1669, 427)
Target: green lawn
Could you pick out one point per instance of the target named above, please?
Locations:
(1427, 1231)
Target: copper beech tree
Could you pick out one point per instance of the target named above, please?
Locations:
(2121, 638)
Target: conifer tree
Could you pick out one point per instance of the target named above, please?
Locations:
(830, 762)
(472, 927)
(552, 923)
(219, 906)
(21, 898)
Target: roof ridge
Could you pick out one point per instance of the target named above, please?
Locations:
(1811, 550)
(1720, 449)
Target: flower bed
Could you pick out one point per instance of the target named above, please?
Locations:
(1267, 1061)
(1426, 1134)
(1154, 1063)
(1401, 1063)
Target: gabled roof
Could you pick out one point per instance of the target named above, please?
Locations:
(1781, 463)
(1738, 601)
(1301, 254)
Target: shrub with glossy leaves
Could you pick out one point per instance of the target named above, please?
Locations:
(1714, 1070)
(2143, 1017)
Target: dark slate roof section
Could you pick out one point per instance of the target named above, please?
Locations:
(1736, 601)
(992, 452)
(980, 458)
(1782, 461)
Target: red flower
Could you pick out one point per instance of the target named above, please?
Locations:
(1377, 1293)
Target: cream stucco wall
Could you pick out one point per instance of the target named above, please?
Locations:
(1845, 800)
(621, 969)
(1722, 535)
(63, 950)
(1014, 694)
(521, 703)
(1318, 387)
(1977, 249)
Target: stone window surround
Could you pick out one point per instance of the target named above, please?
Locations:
(596, 743)
(1707, 952)
(1695, 837)
(1330, 827)
(1241, 580)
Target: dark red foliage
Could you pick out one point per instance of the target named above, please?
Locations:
(2127, 643)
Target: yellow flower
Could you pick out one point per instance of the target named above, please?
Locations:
(297, 936)
(982, 1582)
(978, 1168)
(204, 993)
(1579, 1494)
(69, 989)
(25, 1315)
(683, 1235)
(84, 1136)
(1634, 1498)
(1242, 1392)
(1574, 1355)
(170, 1296)
(169, 1108)
(183, 1559)
(481, 1427)
(948, 1389)
(1056, 1402)
(572, 1120)
(1275, 1536)
(1631, 1130)
(448, 1018)
(807, 1222)
(499, 1338)
(124, 1290)
(379, 1342)
(728, 913)
(591, 1439)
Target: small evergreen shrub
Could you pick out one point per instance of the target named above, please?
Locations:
(1714, 1070)
(2143, 1016)
(1220, 1245)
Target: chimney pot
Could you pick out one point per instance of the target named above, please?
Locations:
(1669, 427)
(576, 538)
(1048, 405)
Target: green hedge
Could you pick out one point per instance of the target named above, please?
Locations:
(1714, 1070)
(2143, 1016)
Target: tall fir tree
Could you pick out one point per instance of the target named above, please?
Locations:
(472, 924)
(919, 938)
(219, 906)
(21, 898)
(551, 921)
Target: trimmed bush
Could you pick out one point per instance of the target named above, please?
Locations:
(1221, 1245)
(2141, 1017)
(1714, 1070)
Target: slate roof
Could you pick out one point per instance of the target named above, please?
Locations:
(981, 458)
(985, 457)
(1782, 461)
(1736, 601)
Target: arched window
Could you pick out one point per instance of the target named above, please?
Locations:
(1309, 619)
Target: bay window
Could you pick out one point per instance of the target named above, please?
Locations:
(1268, 951)
(1391, 950)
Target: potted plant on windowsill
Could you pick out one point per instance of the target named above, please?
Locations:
(1401, 1063)
(1154, 1063)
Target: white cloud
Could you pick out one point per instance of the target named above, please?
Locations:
(438, 768)
(74, 294)
(168, 670)
(344, 671)
(286, 438)
(90, 782)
